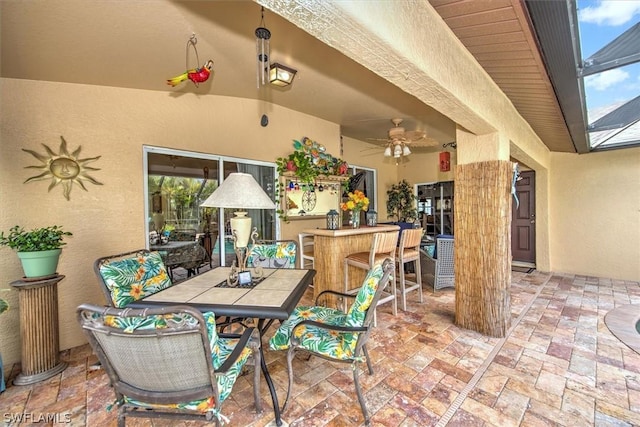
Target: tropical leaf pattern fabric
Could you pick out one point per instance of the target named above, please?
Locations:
(273, 255)
(333, 344)
(134, 278)
(221, 348)
(358, 310)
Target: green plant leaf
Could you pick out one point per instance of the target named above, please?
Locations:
(38, 239)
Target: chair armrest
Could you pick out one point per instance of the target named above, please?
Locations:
(244, 339)
(340, 294)
(326, 326)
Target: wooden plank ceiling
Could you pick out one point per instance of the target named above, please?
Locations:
(500, 36)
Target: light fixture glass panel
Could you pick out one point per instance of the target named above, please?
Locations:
(387, 151)
(281, 75)
(406, 151)
(397, 151)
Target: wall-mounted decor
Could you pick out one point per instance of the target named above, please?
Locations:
(63, 168)
(311, 180)
(196, 75)
(445, 161)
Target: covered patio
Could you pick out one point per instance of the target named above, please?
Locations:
(471, 75)
(559, 365)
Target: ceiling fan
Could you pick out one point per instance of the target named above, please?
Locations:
(400, 139)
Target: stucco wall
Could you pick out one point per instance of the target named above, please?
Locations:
(595, 199)
(595, 213)
(114, 123)
(425, 167)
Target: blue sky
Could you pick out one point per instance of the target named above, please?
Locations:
(601, 21)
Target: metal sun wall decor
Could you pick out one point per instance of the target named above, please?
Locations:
(63, 168)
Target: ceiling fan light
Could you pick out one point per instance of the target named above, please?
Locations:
(406, 151)
(387, 151)
(397, 151)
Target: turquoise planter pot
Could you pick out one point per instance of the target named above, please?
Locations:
(41, 263)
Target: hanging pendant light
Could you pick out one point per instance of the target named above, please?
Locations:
(262, 52)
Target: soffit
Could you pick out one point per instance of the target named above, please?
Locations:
(499, 35)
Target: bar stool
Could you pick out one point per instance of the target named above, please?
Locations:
(306, 247)
(383, 246)
(409, 251)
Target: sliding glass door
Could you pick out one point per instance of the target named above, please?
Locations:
(177, 182)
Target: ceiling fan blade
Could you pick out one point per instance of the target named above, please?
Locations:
(425, 142)
(375, 147)
(415, 135)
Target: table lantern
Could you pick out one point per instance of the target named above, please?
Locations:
(372, 218)
(333, 219)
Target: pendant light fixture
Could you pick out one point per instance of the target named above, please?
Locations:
(281, 75)
(262, 52)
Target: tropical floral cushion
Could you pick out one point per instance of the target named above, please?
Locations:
(333, 344)
(134, 278)
(273, 255)
(358, 310)
(221, 348)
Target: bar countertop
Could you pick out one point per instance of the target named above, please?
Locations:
(330, 249)
(347, 231)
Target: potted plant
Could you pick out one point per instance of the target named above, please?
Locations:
(38, 249)
(401, 202)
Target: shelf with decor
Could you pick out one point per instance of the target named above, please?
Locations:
(303, 200)
(311, 181)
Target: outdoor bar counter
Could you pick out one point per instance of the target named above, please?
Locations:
(330, 249)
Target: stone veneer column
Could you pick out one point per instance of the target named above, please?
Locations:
(482, 214)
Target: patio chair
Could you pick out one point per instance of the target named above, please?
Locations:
(409, 252)
(190, 258)
(169, 362)
(183, 235)
(273, 254)
(131, 276)
(383, 246)
(333, 334)
(439, 267)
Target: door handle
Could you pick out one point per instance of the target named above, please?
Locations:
(533, 221)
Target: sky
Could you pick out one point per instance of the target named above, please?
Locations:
(600, 22)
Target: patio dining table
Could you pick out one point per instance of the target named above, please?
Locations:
(272, 297)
